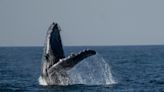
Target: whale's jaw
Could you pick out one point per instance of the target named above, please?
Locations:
(54, 63)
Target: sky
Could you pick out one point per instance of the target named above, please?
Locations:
(83, 22)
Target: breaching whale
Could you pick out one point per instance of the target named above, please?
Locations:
(54, 63)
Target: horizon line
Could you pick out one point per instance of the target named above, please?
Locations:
(87, 45)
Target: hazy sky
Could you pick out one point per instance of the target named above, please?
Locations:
(83, 22)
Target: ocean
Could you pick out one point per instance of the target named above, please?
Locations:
(133, 68)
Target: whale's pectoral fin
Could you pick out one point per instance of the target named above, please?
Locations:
(73, 59)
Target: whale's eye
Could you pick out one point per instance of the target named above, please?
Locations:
(46, 56)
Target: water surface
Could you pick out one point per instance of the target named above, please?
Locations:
(135, 69)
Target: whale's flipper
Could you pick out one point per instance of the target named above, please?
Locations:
(70, 61)
(54, 63)
(73, 59)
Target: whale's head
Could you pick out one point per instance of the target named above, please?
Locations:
(53, 44)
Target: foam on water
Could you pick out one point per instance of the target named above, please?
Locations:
(92, 71)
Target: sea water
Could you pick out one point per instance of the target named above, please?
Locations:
(125, 69)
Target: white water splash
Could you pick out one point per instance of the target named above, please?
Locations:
(42, 81)
(92, 71)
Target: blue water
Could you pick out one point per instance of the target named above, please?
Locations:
(135, 68)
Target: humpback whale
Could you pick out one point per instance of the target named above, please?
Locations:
(54, 63)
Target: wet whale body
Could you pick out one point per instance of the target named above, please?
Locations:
(54, 63)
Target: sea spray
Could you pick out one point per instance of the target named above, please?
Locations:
(92, 71)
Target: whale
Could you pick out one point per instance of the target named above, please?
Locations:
(55, 64)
